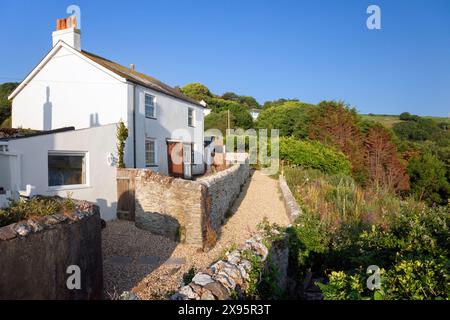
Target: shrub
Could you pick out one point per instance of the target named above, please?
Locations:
(313, 154)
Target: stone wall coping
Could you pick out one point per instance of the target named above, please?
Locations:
(24, 228)
(292, 207)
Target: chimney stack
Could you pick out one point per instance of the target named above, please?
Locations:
(67, 31)
(132, 67)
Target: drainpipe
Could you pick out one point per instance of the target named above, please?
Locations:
(134, 125)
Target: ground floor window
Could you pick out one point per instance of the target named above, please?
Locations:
(66, 169)
(150, 152)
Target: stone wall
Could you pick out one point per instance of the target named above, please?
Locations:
(292, 208)
(35, 254)
(222, 190)
(229, 278)
(190, 211)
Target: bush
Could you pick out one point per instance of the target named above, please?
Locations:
(313, 154)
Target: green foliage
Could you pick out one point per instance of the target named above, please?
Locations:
(290, 118)
(313, 154)
(197, 91)
(5, 105)
(279, 102)
(428, 179)
(188, 276)
(122, 136)
(38, 206)
(421, 129)
(247, 101)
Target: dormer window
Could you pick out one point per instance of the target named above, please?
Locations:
(150, 106)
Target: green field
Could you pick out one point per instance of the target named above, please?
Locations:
(390, 120)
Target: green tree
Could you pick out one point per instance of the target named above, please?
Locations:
(5, 105)
(197, 91)
(428, 179)
(290, 118)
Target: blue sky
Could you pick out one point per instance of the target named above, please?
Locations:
(310, 50)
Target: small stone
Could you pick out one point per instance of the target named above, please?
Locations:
(207, 295)
(202, 279)
(188, 292)
(226, 280)
(234, 257)
(218, 266)
(218, 290)
(247, 265)
(22, 229)
(7, 233)
(196, 288)
(127, 295)
(51, 220)
(35, 225)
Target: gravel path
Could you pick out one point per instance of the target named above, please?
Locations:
(153, 266)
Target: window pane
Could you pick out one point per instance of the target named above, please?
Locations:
(149, 106)
(66, 170)
(190, 117)
(150, 152)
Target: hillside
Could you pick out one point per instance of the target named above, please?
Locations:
(389, 120)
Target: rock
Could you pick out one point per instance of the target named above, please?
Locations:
(178, 296)
(35, 225)
(207, 295)
(127, 295)
(259, 248)
(188, 292)
(22, 229)
(247, 265)
(51, 220)
(233, 272)
(243, 272)
(202, 279)
(218, 266)
(234, 257)
(7, 233)
(196, 288)
(226, 280)
(218, 290)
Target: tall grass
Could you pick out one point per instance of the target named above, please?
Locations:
(338, 199)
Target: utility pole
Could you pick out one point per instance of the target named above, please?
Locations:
(229, 125)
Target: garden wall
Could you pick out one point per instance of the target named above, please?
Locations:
(191, 211)
(35, 254)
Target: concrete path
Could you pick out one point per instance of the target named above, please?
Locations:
(136, 258)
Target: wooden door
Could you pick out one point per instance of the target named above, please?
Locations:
(175, 159)
(125, 195)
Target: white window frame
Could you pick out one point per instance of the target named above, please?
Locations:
(85, 154)
(153, 116)
(193, 117)
(155, 153)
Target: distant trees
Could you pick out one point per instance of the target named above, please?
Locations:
(290, 118)
(239, 107)
(5, 105)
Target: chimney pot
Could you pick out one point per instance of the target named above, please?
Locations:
(132, 67)
(66, 30)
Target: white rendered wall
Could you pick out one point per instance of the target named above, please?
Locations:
(171, 123)
(70, 91)
(97, 142)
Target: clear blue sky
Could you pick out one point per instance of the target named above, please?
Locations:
(311, 50)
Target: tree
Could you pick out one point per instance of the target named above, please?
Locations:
(290, 118)
(335, 124)
(219, 120)
(5, 105)
(247, 101)
(197, 91)
(428, 179)
(383, 164)
(242, 116)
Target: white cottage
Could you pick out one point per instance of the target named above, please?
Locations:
(71, 87)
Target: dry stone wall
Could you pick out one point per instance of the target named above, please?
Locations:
(190, 211)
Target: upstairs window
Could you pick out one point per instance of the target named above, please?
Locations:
(190, 117)
(66, 169)
(150, 152)
(150, 106)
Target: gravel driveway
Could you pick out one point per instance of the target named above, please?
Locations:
(153, 266)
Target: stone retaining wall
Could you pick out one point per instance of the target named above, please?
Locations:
(35, 255)
(229, 278)
(292, 208)
(190, 211)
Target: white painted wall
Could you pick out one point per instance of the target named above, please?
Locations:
(70, 91)
(97, 142)
(171, 123)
